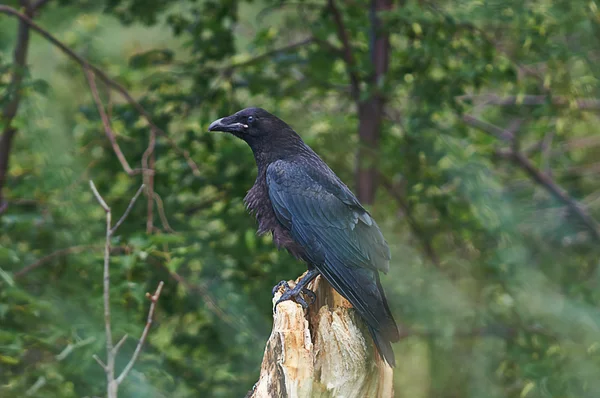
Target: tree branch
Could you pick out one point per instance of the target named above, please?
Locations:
(11, 109)
(106, 123)
(106, 79)
(498, 132)
(532, 100)
(346, 49)
(542, 179)
(109, 367)
(128, 210)
(560, 194)
(153, 300)
(417, 230)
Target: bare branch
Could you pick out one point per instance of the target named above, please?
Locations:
(106, 79)
(161, 213)
(119, 344)
(99, 198)
(347, 49)
(128, 210)
(110, 358)
(148, 163)
(153, 300)
(102, 364)
(489, 128)
(106, 122)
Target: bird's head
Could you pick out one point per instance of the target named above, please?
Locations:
(269, 137)
(252, 124)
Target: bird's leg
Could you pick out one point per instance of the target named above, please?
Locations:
(300, 288)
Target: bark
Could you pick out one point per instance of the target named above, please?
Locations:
(370, 110)
(10, 111)
(325, 351)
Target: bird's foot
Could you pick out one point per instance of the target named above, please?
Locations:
(284, 284)
(294, 294)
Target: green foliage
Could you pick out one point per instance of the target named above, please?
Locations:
(510, 310)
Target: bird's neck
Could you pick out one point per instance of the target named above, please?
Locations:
(267, 151)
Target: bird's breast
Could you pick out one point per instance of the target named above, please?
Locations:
(259, 203)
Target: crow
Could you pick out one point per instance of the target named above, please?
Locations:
(314, 215)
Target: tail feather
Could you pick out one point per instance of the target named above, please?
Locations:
(384, 346)
(362, 288)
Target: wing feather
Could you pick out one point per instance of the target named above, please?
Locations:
(340, 237)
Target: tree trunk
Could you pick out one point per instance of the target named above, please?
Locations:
(370, 110)
(323, 352)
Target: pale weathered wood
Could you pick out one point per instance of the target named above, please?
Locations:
(323, 352)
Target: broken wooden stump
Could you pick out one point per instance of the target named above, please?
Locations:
(325, 351)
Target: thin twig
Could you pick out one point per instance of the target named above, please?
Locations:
(106, 122)
(102, 364)
(153, 300)
(161, 213)
(128, 210)
(119, 344)
(106, 79)
(99, 198)
(148, 163)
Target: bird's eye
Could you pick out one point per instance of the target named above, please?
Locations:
(250, 119)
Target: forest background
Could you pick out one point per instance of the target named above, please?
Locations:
(469, 130)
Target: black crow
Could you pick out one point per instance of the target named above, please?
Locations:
(313, 215)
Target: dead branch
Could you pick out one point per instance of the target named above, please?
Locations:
(153, 300)
(148, 160)
(106, 123)
(112, 350)
(106, 79)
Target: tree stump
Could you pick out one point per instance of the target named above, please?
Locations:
(325, 351)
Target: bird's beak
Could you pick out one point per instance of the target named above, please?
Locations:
(223, 125)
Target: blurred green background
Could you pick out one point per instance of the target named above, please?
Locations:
(487, 160)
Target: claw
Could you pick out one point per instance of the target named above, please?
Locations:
(292, 294)
(310, 294)
(298, 290)
(278, 286)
